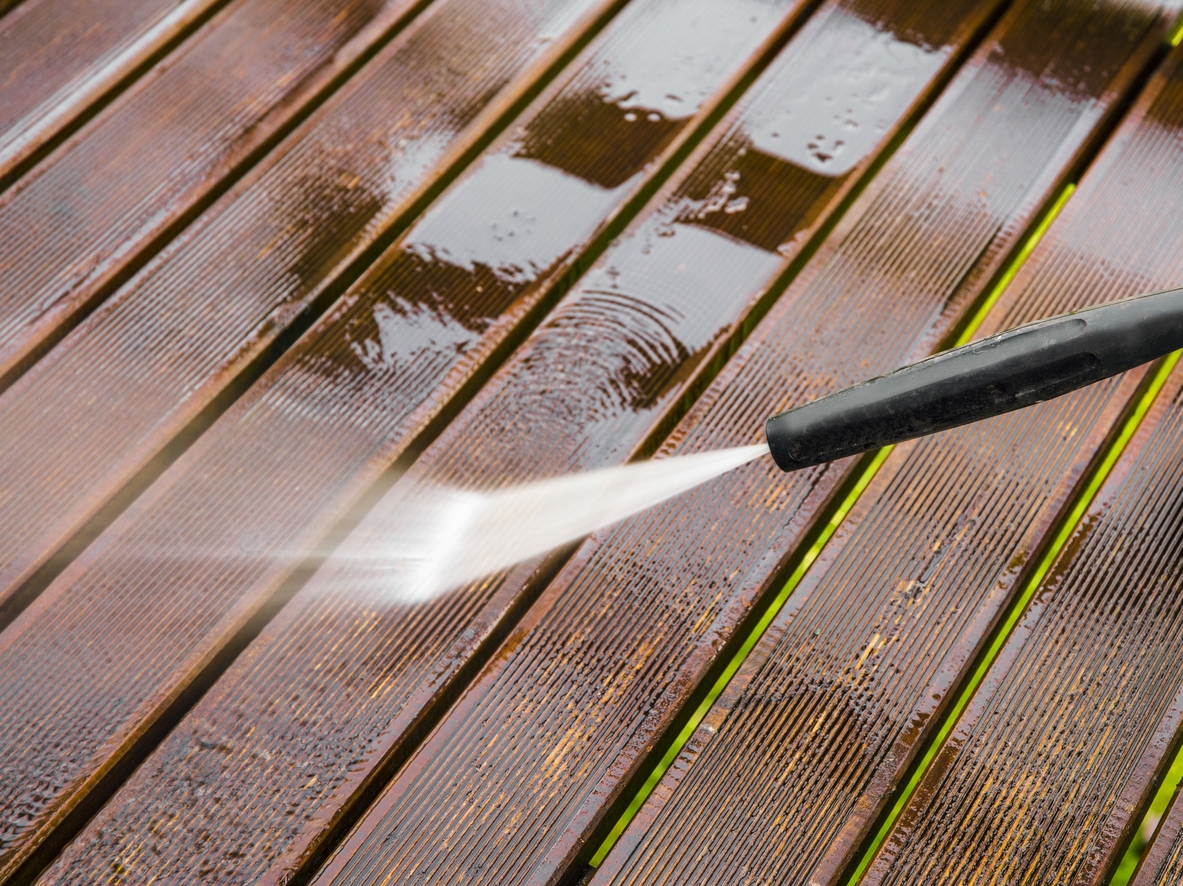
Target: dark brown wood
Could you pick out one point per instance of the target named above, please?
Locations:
(1162, 862)
(1046, 773)
(422, 658)
(61, 58)
(790, 768)
(84, 220)
(522, 775)
(494, 734)
(317, 204)
(388, 376)
(223, 298)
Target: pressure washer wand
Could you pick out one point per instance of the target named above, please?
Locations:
(1006, 371)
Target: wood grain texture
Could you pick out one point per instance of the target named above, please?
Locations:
(168, 344)
(340, 181)
(391, 669)
(60, 58)
(824, 716)
(1162, 861)
(532, 759)
(114, 193)
(358, 389)
(1047, 772)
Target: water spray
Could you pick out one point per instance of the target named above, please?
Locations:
(462, 536)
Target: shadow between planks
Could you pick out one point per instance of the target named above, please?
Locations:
(703, 221)
(890, 123)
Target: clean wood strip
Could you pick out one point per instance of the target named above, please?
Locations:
(808, 742)
(353, 394)
(528, 767)
(175, 343)
(346, 176)
(423, 657)
(60, 58)
(85, 219)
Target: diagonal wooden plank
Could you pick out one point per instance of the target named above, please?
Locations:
(1162, 861)
(526, 769)
(62, 58)
(1046, 772)
(322, 407)
(854, 669)
(354, 393)
(180, 339)
(84, 220)
(460, 68)
(419, 663)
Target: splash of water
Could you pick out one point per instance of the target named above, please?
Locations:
(453, 536)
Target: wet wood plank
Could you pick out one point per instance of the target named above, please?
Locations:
(423, 657)
(373, 384)
(326, 198)
(268, 255)
(60, 58)
(824, 716)
(1162, 862)
(520, 777)
(1048, 770)
(524, 774)
(84, 220)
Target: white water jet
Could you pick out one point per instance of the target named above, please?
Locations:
(449, 537)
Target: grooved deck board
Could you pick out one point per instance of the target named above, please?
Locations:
(531, 760)
(1047, 771)
(116, 191)
(824, 716)
(1162, 860)
(113, 642)
(413, 661)
(309, 244)
(174, 339)
(59, 57)
(371, 364)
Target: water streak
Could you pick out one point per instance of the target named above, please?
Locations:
(448, 537)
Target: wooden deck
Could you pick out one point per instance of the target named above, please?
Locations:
(267, 265)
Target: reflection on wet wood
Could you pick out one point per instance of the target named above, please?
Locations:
(177, 335)
(886, 623)
(83, 220)
(370, 357)
(413, 659)
(1046, 772)
(59, 58)
(493, 734)
(173, 334)
(530, 759)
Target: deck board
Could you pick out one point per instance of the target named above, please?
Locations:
(311, 245)
(419, 657)
(1045, 773)
(60, 58)
(88, 216)
(175, 340)
(880, 630)
(526, 767)
(1162, 861)
(471, 75)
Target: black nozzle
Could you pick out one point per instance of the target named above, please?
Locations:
(1006, 371)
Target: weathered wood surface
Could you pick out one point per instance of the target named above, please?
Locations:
(879, 630)
(317, 254)
(61, 58)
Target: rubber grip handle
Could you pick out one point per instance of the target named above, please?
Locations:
(1006, 371)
